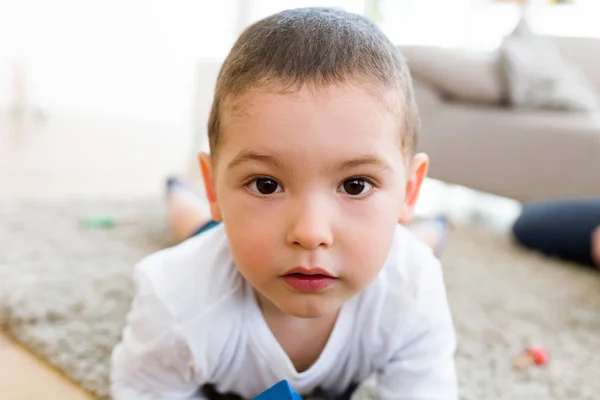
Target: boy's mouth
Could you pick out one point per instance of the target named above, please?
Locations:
(308, 279)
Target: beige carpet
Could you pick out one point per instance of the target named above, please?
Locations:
(64, 292)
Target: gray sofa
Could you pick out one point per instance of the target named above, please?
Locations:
(476, 141)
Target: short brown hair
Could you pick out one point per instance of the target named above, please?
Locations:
(317, 47)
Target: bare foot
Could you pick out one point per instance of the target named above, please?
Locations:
(432, 232)
(596, 246)
(186, 210)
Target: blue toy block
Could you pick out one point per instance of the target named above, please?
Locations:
(280, 391)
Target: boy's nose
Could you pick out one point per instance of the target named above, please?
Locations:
(309, 227)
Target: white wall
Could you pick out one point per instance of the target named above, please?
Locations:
(131, 58)
(138, 58)
(482, 23)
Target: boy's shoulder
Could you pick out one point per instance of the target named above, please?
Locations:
(409, 259)
(193, 276)
(408, 270)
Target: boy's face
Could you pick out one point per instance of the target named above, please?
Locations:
(310, 187)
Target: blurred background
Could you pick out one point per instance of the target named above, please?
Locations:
(103, 76)
(102, 101)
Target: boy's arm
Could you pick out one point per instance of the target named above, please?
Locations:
(152, 361)
(423, 365)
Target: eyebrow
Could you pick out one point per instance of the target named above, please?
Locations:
(246, 156)
(363, 160)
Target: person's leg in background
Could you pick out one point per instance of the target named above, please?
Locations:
(188, 214)
(433, 232)
(596, 246)
(568, 229)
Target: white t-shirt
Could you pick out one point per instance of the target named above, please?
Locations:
(195, 320)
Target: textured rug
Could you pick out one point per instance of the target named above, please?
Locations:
(65, 290)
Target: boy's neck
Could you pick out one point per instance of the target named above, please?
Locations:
(302, 339)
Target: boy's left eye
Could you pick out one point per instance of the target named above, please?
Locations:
(355, 187)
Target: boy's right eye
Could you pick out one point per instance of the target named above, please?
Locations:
(265, 186)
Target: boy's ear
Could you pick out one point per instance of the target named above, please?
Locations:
(209, 186)
(417, 173)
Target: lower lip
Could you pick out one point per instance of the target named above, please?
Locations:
(308, 283)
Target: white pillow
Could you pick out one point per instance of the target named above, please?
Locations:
(466, 75)
(538, 77)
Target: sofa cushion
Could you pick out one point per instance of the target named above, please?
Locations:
(538, 77)
(466, 75)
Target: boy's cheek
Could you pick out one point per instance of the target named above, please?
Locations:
(254, 254)
(366, 240)
(368, 245)
(251, 234)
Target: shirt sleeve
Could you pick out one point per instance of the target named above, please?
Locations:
(423, 365)
(153, 360)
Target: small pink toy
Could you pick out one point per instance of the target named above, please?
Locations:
(531, 356)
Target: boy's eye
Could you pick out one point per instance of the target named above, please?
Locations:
(265, 186)
(355, 187)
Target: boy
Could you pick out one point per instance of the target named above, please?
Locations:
(309, 278)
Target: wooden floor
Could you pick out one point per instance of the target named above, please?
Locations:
(77, 157)
(24, 377)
